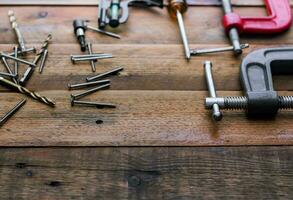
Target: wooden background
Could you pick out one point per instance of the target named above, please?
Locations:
(46, 152)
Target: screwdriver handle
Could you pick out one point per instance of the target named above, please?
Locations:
(177, 5)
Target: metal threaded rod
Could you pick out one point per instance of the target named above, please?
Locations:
(241, 103)
(27, 92)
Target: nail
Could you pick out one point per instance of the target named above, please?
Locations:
(17, 59)
(87, 84)
(83, 94)
(92, 104)
(93, 64)
(99, 76)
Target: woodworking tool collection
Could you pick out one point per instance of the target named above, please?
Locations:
(12, 79)
(260, 100)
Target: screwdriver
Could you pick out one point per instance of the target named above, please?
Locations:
(176, 8)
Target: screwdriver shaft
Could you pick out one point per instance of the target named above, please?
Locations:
(183, 34)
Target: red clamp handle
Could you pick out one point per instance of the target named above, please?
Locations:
(279, 19)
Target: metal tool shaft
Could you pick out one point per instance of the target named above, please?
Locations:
(12, 112)
(215, 50)
(18, 34)
(93, 104)
(90, 50)
(27, 92)
(33, 49)
(87, 84)
(90, 58)
(15, 62)
(104, 32)
(17, 59)
(43, 60)
(183, 34)
(217, 115)
(83, 94)
(102, 75)
(7, 74)
(90, 55)
(233, 32)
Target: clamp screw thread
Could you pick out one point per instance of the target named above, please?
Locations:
(235, 103)
(286, 102)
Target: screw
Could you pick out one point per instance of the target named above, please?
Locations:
(81, 85)
(217, 115)
(93, 64)
(94, 104)
(83, 94)
(12, 112)
(102, 75)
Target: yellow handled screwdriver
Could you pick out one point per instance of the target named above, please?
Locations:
(176, 8)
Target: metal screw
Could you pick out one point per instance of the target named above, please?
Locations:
(87, 84)
(83, 94)
(92, 104)
(90, 50)
(12, 112)
(102, 75)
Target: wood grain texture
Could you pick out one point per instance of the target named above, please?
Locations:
(143, 27)
(159, 95)
(143, 118)
(147, 173)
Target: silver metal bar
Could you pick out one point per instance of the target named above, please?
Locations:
(183, 35)
(88, 92)
(195, 52)
(43, 60)
(87, 84)
(217, 115)
(102, 75)
(12, 112)
(17, 59)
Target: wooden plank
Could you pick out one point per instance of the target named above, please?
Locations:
(156, 28)
(146, 69)
(95, 2)
(144, 118)
(147, 173)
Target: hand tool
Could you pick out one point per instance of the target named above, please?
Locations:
(6, 65)
(18, 34)
(80, 26)
(90, 51)
(79, 31)
(30, 70)
(94, 104)
(43, 60)
(87, 84)
(278, 20)
(115, 12)
(260, 100)
(12, 112)
(15, 62)
(176, 8)
(102, 75)
(83, 94)
(25, 91)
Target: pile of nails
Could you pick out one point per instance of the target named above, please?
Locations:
(90, 57)
(99, 84)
